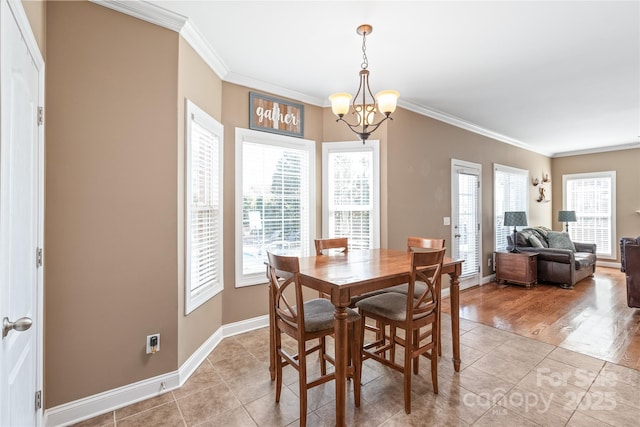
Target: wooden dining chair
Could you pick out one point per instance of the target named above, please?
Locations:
(418, 317)
(418, 243)
(305, 321)
(324, 246)
(331, 246)
(421, 243)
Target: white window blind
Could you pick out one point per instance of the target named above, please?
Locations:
(350, 200)
(510, 193)
(204, 207)
(468, 244)
(274, 184)
(592, 197)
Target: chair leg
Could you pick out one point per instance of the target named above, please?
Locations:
(416, 344)
(323, 352)
(434, 355)
(439, 329)
(302, 380)
(392, 341)
(278, 363)
(408, 347)
(434, 369)
(356, 358)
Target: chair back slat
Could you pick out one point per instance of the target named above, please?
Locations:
(284, 273)
(333, 243)
(426, 267)
(425, 243)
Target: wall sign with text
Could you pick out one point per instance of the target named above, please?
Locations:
(275, 115)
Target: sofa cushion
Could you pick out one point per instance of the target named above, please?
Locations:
(535, 242)
(584, 260)
(560, 240)
(522, 237)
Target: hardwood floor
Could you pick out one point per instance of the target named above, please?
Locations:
(593, 318)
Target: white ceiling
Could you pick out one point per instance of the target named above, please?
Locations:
(556, 77)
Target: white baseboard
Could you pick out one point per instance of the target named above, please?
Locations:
(608, 264)
(89, 407)
(245, 326)
(487, 279)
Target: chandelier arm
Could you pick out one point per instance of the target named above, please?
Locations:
(377, 125)
(366, 130)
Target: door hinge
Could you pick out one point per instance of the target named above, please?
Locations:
(40, 116)
(39, 257)
(38, 401)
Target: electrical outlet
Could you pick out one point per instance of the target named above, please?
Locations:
(489, 262)
(153, 343)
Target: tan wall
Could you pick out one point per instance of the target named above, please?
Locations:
(36, 11)
(250, 301)
(111, 218)
(198, 83)
(419, 156)
(626, 163)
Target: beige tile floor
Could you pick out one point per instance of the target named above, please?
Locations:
(505, 380)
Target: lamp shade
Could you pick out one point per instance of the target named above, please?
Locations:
(340, 103)
(515, 218)
(387, 101)
(567, 216)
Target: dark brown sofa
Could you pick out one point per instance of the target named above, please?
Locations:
(625, 241)
(560, 260)
(630, 264)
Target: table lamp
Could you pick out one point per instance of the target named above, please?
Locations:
(567, 217)
(517, 219)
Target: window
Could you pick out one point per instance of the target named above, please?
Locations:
(350, 200)
(203, 233)
(510, 193)
(593, 197)
(275, 200)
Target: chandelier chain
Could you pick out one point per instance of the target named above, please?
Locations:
(365, 60)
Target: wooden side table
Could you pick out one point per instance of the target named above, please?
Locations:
(520, 268)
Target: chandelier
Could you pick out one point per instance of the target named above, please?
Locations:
(365, 107)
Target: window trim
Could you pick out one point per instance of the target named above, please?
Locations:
(350, 147)
(611, 174)
(194, 300)
(246, 135)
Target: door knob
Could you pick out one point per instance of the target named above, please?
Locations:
(22, 324)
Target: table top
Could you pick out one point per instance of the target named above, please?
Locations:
(360, 271)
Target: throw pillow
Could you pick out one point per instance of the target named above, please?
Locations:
(535, 242)
(560, 240)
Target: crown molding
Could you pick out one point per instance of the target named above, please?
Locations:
(619, 147)
(199, 43)
(273, 89)
(471, 127)
(147, 12)
(162, 17)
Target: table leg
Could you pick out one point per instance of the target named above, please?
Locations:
(455, 318)
(340, 326)
(272, 344)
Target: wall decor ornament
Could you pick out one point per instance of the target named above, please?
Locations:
(275, 115)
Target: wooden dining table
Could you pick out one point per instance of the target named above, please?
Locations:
(356, 273)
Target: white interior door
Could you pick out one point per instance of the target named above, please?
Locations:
(20, 222)
(465, 216)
